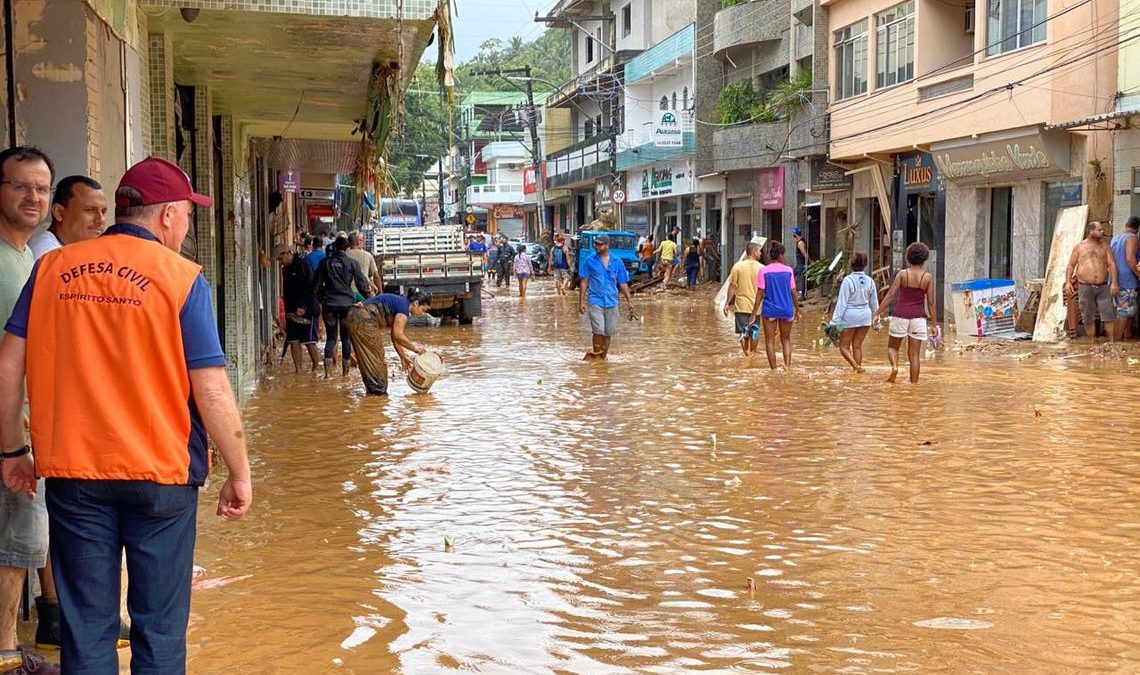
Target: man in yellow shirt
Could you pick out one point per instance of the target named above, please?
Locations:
(742, 294)
(666, 257)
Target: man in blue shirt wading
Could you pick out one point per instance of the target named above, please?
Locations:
(600, 283)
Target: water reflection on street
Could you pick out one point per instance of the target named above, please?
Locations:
(984, 520)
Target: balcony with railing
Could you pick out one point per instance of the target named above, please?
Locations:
(749, 24)
(579, 163)
(496, 193)
(640, 147)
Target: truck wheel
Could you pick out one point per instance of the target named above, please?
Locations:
(471, 307)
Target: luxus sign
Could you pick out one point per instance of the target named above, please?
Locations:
(667, 133)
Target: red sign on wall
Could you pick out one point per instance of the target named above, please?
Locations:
(772, 188)
(529, 185)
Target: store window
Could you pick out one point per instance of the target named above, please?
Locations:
(851, 60)
(1059, 195)
(1013, 24)
(894, 38)
(1001, 233)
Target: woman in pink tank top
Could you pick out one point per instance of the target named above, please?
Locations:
(914, 288)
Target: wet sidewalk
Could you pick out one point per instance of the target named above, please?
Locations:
(983, 520)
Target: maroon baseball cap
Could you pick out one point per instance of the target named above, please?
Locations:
(156, 181)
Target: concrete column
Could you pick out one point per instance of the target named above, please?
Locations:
(160, 71)
(55, 81)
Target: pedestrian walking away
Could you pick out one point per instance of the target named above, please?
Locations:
(802, 260)
(855, 305)
(524, 269)
(646, 253)
(301, 309)
(366, 324)
(778, 305)
(915, 317)
(336, 277)
(692, 263)
(666, 257)
(742, 280)
(1093, 265)
(559, 265)
(1124, 256)
(603, 280)
(141, 498)
(365, 259)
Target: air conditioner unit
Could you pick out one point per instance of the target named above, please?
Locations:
(969, 23)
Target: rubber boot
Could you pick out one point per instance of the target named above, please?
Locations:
(47, 624)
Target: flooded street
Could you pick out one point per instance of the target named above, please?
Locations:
(984, 520)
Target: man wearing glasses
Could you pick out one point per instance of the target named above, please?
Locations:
(26, 175)
(604, 277)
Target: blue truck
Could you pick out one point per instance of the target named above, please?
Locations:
(623, 246)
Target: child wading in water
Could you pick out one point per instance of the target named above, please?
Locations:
(914, 288)
(523, 269)
(777, 304)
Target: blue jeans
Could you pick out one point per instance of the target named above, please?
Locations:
(91, 522)
(334, 323)
(691, 274)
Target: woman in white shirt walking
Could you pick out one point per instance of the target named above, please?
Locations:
(857, 302)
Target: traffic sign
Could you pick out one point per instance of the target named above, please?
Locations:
(618, 196)
(470, 219)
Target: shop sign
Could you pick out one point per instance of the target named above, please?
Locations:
(918, 173)
(771, 188)
(667, 131)
(1026, 156)
(603, 193)
(530, 186)
(327, 195)
(288, 181)
(659, 180)
(826, 176)
(507, 211)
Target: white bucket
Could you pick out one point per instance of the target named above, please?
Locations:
(426, 369)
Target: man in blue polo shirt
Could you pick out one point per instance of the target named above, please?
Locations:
(603, 277)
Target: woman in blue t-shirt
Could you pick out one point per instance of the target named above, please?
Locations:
(366, 324)
(777, 303)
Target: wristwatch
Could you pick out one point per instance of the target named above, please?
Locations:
(18, 452)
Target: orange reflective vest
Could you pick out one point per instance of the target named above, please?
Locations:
(108, 385)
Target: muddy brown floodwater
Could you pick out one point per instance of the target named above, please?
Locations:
(982, 521)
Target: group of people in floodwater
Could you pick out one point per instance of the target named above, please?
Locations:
(768, 290)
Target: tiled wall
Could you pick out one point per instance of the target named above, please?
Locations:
(376, 9)
(1127, 152)
(93, 78)
(240, 264)
(160, 73)
(204, 183)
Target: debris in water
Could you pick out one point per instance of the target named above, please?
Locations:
(927, 443)
(714, 441)
(540, 380)
(733, 482)
(210, 584)
(952, 623)
(1133, 361)
(447, 547)
(199, 571)
(1038, 413)
(751, 585)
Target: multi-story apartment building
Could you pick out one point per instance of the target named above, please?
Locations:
(262, 124)
(495, 146)
(604, 35)
(956, 120)
(1126, 119)
(767, 127)
(657, 148)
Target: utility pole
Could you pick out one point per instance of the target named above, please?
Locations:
(536, 149)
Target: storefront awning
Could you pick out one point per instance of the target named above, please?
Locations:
(1097, 119)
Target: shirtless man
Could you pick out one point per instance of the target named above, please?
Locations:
(1094, 268)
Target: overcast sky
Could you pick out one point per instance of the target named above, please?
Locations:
(481, 20)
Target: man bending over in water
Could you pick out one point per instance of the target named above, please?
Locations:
(1093, 266)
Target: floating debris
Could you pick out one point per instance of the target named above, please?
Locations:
(953, 623)
(733, 482)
